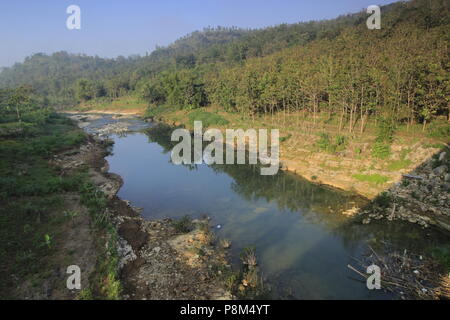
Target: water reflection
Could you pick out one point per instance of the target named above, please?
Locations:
(303, 242)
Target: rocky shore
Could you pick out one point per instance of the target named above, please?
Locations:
(422, 196)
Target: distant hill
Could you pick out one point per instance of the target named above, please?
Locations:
(57, 75)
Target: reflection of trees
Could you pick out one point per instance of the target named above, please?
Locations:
(392, 235)
(161, 134)
(291, 193)
(317, 204)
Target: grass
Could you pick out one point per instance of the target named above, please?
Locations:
(439, 130)
(399, 164)
(29, 194)
(32, 212)
(208, 119)
(327, 144)
(442, 255)
(375, 179)
(183, 225)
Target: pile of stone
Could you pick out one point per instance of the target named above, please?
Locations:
(113, 128)
(422, 197)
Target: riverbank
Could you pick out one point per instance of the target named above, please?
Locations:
(85, 224)
(152, 259)
(415, 161)
(352, 167)
(146, 273)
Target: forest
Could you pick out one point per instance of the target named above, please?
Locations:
(337, 69)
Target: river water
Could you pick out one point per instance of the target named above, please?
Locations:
(303, 242)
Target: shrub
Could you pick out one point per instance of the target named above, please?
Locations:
(439, 130)
(326, 144)
(384, 199)
(183, 225)
(400, 164)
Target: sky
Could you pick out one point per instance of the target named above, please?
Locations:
(110, 28)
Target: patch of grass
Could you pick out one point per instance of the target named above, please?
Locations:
(375, 179)
(434, 145)
(327, 144)
(159, 111)
(439, 130)
(399, 164)
(106, 284)
(442, 255)
(207, 118)
(31, 209)
(381, 150)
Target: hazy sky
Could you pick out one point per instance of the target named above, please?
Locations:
(111, 27)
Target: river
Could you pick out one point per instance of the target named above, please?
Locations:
(303, 242)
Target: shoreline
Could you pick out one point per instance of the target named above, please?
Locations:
(135, 232)
(149, 250)
(293, 166)
(422, 214)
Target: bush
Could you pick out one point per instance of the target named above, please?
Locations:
(439, 130)
(183, 225)
(382, 147)
(326, 144)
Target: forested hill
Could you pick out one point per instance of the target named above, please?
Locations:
(203, 67)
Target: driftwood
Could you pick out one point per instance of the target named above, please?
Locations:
(410, 276)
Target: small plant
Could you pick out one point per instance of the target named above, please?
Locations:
(47, 240)
(248, 257)
(283, 139)
(85, 294)
(71, 215)
(183, 225)
(381, 150)
(375, 179)
(225, 243)
(231, 281)
(326, 144)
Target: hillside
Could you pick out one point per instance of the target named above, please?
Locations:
(58, 75)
